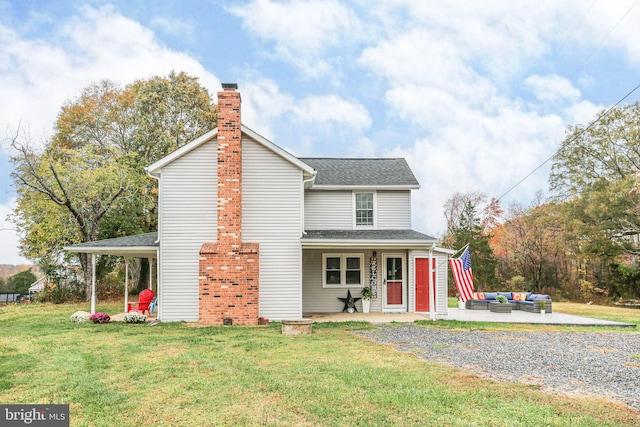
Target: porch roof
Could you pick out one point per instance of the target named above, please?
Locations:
(138, 246)
(367, 238)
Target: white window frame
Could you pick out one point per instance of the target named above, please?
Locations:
(343, 270)
(375, 210)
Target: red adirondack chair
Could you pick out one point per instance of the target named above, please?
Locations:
(144, 299)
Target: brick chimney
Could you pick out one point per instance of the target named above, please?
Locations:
(229, 267)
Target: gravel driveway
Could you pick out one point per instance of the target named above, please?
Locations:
(603, 364)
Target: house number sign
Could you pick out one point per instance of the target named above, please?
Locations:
(373, 276)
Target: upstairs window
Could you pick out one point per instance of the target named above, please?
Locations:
(364, 209)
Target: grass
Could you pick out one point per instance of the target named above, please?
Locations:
(175, 374)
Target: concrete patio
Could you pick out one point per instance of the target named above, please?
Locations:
(518, 316)
(470, 316)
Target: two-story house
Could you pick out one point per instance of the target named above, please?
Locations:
(247, 230)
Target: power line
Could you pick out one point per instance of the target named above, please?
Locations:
(600, 117)
(612, 29)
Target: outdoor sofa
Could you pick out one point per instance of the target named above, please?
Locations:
(525, 301)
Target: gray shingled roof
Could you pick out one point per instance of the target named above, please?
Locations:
(361, 172)
(148, 239)
(140, 245)
(367, 235)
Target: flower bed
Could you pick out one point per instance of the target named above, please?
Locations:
(134, 317)
(80, 316)
(100, 318)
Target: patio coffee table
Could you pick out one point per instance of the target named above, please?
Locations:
(497, 307)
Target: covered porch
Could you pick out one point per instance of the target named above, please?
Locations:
(138, 246)
(405, 269)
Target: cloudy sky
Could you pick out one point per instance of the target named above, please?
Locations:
(474, 95)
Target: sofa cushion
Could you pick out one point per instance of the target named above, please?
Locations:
(478, 295)
(490, 295)
(519, 296)
(534, 297)
(507, 295)
(530, 297)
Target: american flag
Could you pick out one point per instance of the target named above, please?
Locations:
(462, 276)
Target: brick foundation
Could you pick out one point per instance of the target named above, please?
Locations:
(229, 268)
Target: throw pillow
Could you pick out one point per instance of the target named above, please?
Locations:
(478, 295)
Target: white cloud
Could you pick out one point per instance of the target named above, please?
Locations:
(173, 26)
(333, 109)
(39, 74)
(263, 104)
(302, 31)
(9, 237)
(364, 147)
(552, 88)
(607, 27)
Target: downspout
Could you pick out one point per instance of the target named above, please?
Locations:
(303, 233)
(304, 181)
(158, 284)
(432, 285)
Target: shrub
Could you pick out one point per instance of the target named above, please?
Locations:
(134, 317)
(100, 317)
(80, 316)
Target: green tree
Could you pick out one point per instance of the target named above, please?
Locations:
(89, 182)
(19, 283)
(465, 225)
(600, 167)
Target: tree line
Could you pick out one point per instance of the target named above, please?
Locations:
(88, 182)
(582, 240)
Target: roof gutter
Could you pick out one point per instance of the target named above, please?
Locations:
(157, 178)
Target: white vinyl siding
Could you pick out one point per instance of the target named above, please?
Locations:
(188, 194)
(271, 203)
(319, 299)
(328, 210)
(335, 210)
(394, 210)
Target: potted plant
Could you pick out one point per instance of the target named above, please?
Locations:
(367, 294)
(502, 299)
(543, 306)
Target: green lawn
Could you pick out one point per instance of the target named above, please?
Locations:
(175, 374)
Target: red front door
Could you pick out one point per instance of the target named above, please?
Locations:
(394, 281)
(423, 284)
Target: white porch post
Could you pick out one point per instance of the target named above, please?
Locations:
(93, 283)
(158, 284)
(126, 283)
(432, 285)
(150, 272)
